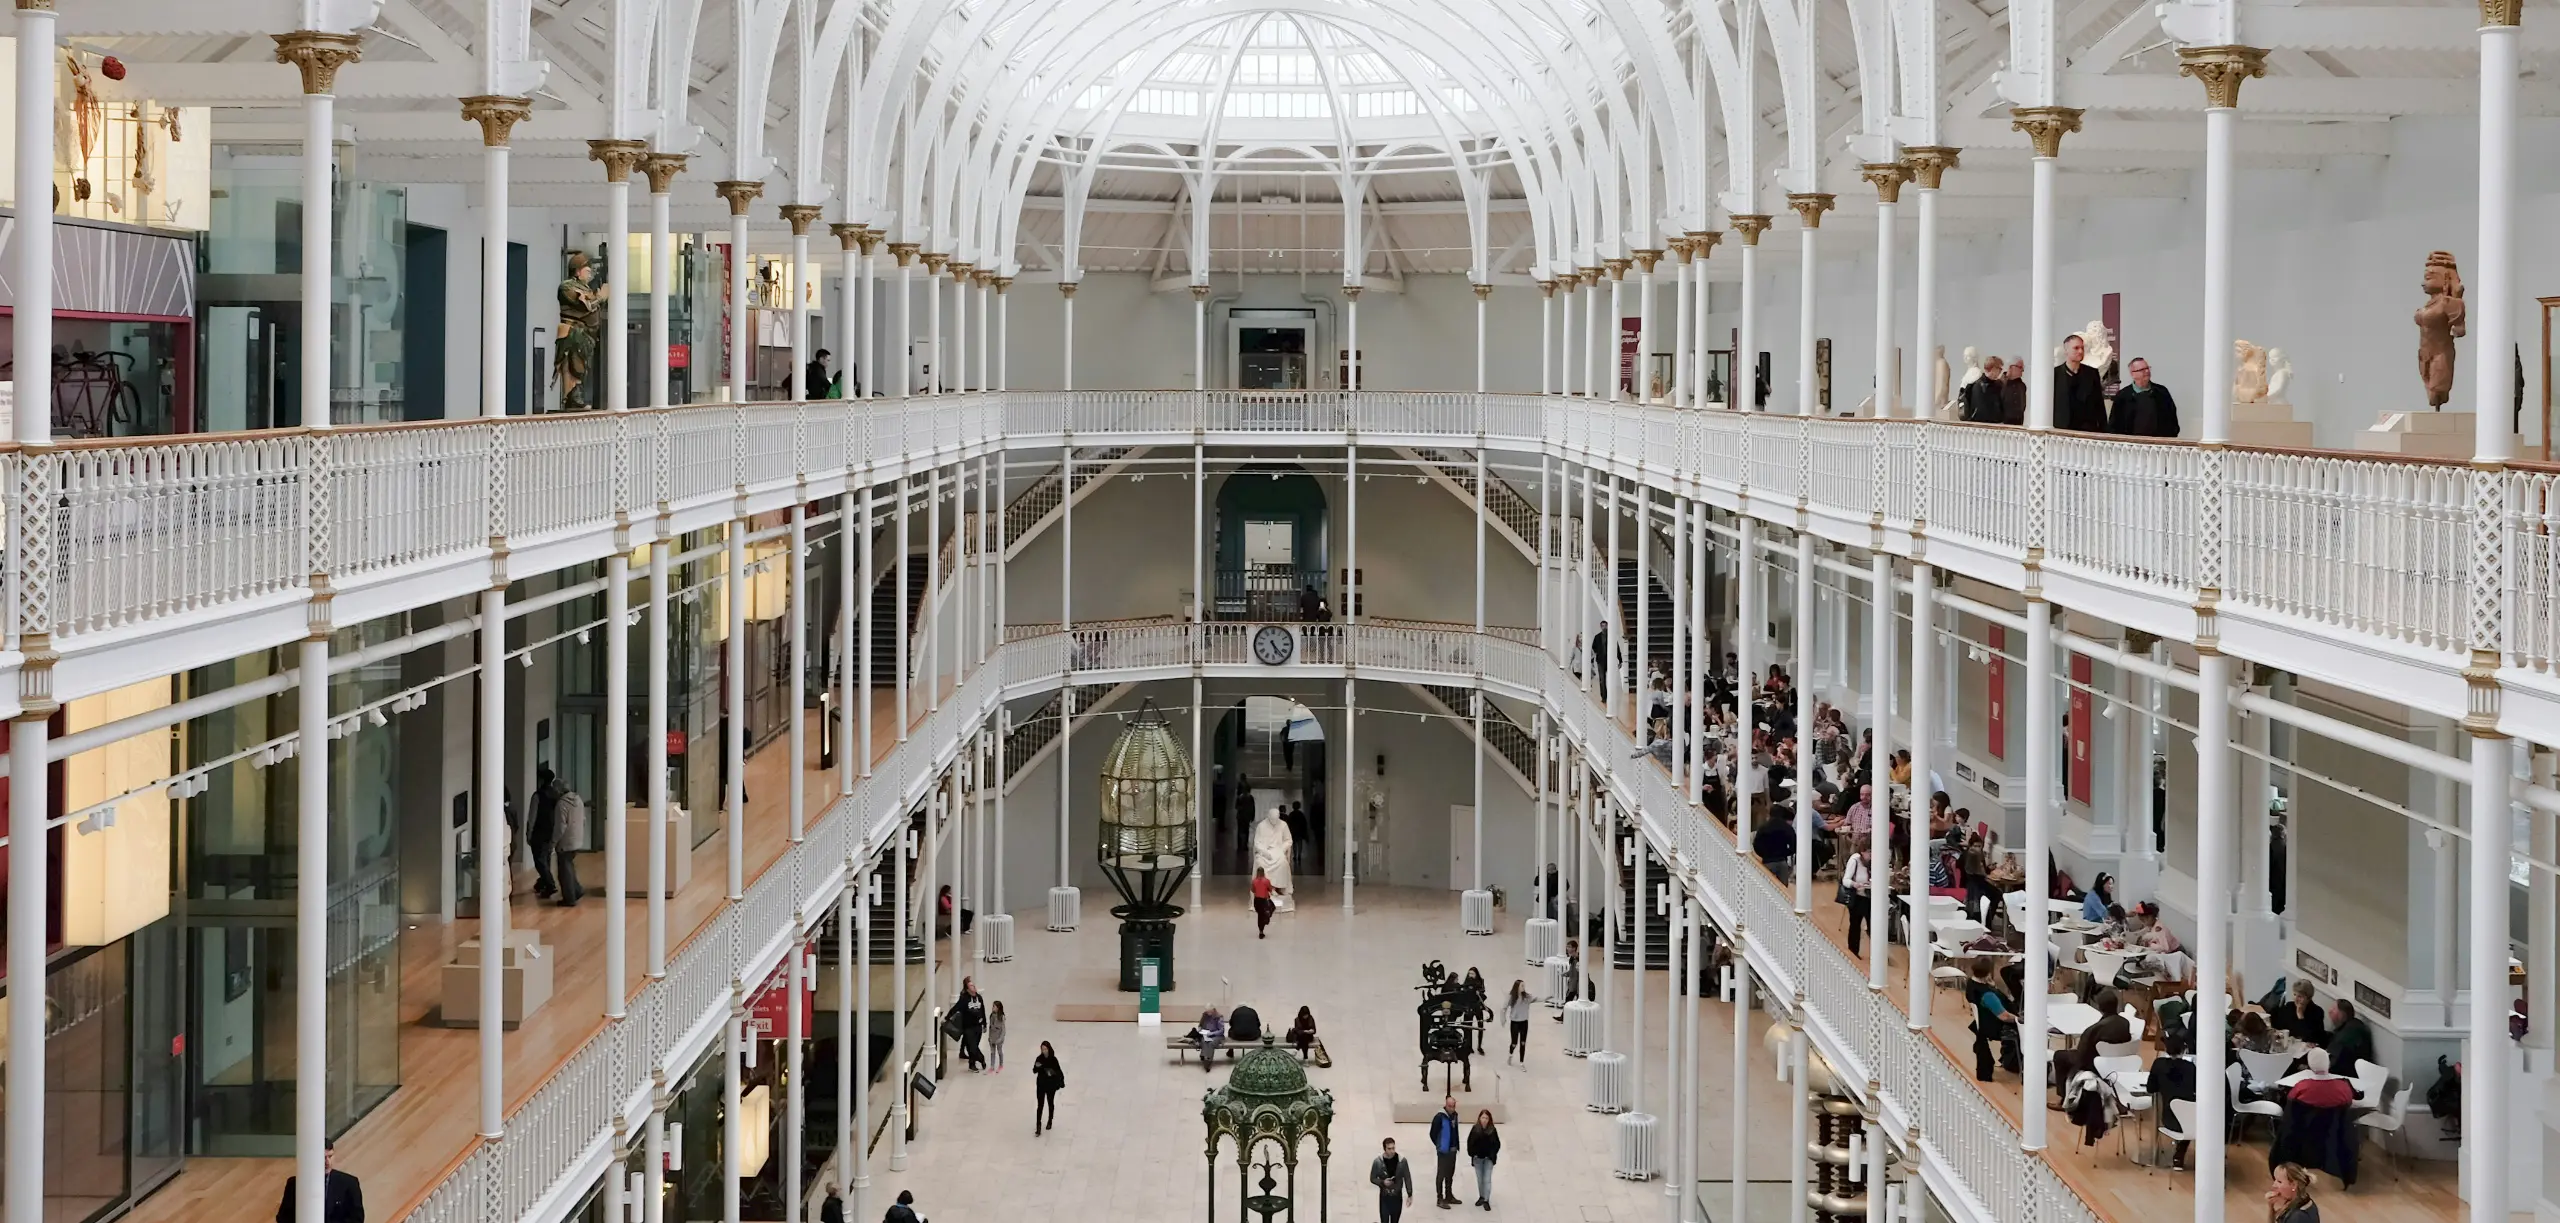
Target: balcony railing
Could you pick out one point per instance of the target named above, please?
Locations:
(106, 538)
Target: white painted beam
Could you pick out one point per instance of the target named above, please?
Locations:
(2356, 28)
(2284, 95)
(2184, 135)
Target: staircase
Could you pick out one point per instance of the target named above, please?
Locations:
(884, 617)
(1513, 515)
(1657, 925)
(1032, 736)
(1510, 741)
(1038, 505)
(1657, 610)
(883, 934)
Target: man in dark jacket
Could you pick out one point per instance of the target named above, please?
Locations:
(2143, 408)
(343, 1199)
(2013, 393)
(2079, 398)
(1980, 401)
(815, 382)
(1394, 1179)
(2350, 1041)
(969, 1019)
(1600, 660)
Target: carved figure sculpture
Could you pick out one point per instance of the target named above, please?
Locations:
(2101, 345)
(581, 327)
(2248, 373)
(1972, 366)
(1271, 845)
(2279, 376)
(1940, 393)
(2440, 322)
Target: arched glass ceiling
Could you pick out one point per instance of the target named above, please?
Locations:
(1271, 69)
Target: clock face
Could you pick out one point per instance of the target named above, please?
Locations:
(1274, 645)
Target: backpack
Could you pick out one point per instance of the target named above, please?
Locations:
(572, 818)
(2445, 1098)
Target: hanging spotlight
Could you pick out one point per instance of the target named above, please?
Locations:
(377, 717)
(582, 636)
(263, 758)
(525, 660)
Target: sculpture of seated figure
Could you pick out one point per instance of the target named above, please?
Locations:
(2279, 376)
(2249, 372)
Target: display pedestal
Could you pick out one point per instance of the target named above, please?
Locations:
(1144, 938)
(524, 986)
(1557, 967)
(1066, 909)
(2435, 435)
(1638, 1135)
(1581, 1027)
(635, 853)
(2269, 424)
(1475, 911)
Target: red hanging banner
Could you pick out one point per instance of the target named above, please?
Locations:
(1997, 683)
(769, 1011)
(2083, 727)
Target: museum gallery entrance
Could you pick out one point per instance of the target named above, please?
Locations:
(1267, 349)
(1269, 752)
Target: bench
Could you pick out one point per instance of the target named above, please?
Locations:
(1182, 1047)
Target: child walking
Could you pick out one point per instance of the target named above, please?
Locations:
(995, 1039)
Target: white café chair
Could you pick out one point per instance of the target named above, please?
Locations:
(2127, 1083)
(2386, 1122)
(2181, 1125)
(2102, 966)
(2242, 1108)
(2371, 1078)
(2266, 1069)
(2130, 1050)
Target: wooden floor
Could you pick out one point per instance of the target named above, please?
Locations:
(408, 1144)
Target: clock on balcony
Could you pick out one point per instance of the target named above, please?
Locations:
(1274, 645)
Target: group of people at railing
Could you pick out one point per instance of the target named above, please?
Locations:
(2087, 395)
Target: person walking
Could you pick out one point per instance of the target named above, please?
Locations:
(1394, 1179)
(2143, 408)
(1855, 879)
(1262, 904)
(995, 1037)
(542, 831)
(1444, 1145)
(342, 1195)
(2079, 397)
(1047, 1076)
(903, 1210)
(1517, 1010)
(1484, 1146)
(969, 1022)
(570, 827)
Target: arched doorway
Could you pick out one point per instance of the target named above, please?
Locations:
(1273, 547)
(1269, 752)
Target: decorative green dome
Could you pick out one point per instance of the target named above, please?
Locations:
(1268, 1073)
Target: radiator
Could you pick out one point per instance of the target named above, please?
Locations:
(1639, 1141)
(1556, 968)
(998, 929)
(1475, 909)
(1545, 938)
(1608, 1082)
(1581, 1027)
(1065, 906)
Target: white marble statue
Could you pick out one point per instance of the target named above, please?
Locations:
(2101, 345)
(1941, 385)
(1271, 846)
(2279, 376)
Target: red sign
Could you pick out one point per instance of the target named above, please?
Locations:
(679, 356)
(769, 1011)
(2083, 728)
(1997, 684)
(675, 743)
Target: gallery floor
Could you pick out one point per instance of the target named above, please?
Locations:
(1129, 1142)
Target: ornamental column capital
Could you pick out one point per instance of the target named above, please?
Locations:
(904, 253)
(2222, 69)
(1887, 178)
(2504, 13)
(1199, 293)
(1750, 225)
(1930, 162)
(740, 192)
(1810, 205)
(497, 115)
(1001, 283)
(620, 157)
(662, 169)
(318, 53)
(1483, 290)
(801, 217)
(1067, 289)
(848, 235)
(1704, 243)
(1645, 259)
(1617, 267)
(933, 262)
(1547, 288)
(2045, 125)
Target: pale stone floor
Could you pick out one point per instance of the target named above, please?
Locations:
(1128, 1148)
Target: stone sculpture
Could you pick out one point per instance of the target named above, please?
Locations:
(1940, 392)
(2248, 373)
(1271, 845)
(2440, 323)
(2279, 376)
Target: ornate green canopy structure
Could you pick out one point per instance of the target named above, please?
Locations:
(1270, 1110)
